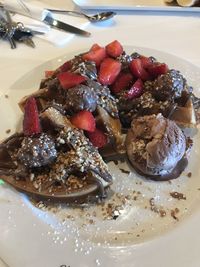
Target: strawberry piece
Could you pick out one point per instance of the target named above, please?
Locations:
(138, 70)
(109, 70)
(84, 120)
(49, 73)
(68, 79)
(31, 123)
(156, 69)
(122, 82)
(95, 47)
(136, 90)
(66, 66)
(114, 49)
(146, 61)
(98, 138)
(96, 54)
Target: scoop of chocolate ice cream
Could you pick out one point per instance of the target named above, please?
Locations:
(37, 151)
(155, 147)
(81, 97)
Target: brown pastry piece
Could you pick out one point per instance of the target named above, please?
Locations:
(41, 97)
(91, 96)
(167, 86)
(156, 147)
(185, 115)
(58, 164)
(169, 95)
(79, 98)
(115, 149)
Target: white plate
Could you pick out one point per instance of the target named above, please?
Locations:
(153, 5)
(84, 237)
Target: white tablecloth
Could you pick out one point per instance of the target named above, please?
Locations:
(175, 33)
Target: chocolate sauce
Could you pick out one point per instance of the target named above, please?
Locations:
(42, 170)
(175, 173)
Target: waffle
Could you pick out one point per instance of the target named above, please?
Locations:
(185, 116)
(73, 168)
(77, 172)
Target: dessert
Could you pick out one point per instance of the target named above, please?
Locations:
(157, 147)
(51, 158)
(75, 122)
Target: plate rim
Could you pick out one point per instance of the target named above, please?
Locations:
(108, 4)
(166, 236)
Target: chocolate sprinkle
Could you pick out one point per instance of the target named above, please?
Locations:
(177, 195)
(124, 171)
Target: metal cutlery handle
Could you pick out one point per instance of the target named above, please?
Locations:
(66, 11)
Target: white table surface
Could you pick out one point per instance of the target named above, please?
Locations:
(175, 33)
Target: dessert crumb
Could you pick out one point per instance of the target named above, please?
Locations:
(189, 175)
(157, 209)
(8, 131)
(115, 162)
(91, 221)
(174, 214)
(6, 96)
(124, 171)
(178, 195)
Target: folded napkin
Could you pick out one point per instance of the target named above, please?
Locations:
(32, 13)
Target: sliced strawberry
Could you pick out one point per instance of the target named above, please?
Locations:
(146, 61)
(109, 70)
(138, 70)
(66, 66)
(122, 82)
(31, 123)
(49, 73)
(96, 54)
(68, 79)
(156, 69)
(98, 138)
(95, 47)
(114, 49)
(84, 120)
(136, 90)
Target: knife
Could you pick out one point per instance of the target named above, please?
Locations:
(64, 26)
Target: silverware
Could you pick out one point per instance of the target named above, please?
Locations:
(64, 26)
(56, 23)
(95, 18)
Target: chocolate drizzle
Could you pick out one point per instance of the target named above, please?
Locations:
(53, 179)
